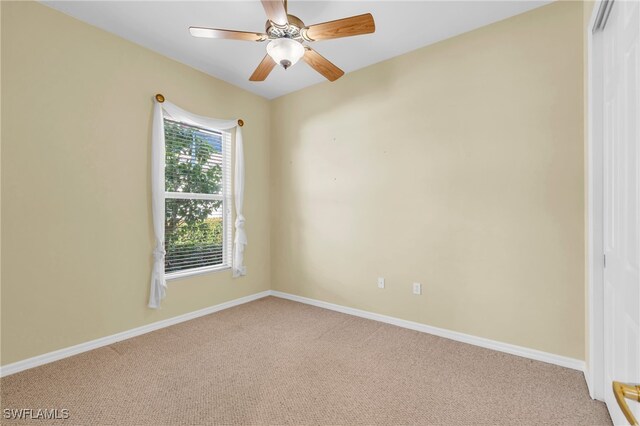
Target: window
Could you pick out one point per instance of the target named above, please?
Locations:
(197, 199)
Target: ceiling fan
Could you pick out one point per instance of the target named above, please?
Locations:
(286, 35)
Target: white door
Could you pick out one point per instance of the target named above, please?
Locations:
(621, 133)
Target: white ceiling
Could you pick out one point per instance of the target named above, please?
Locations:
(401, 26)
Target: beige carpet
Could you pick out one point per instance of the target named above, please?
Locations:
(274, 361)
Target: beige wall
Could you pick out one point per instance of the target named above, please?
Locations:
(0, 184)
(76, 210)
(460, 166)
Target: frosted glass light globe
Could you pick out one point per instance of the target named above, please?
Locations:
(285, 51)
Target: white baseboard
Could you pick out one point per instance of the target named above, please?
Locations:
(104, 341)
(534, 354)
(587, 378)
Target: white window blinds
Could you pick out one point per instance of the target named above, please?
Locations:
(197, 199)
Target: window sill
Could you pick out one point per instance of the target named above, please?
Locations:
(196, 271)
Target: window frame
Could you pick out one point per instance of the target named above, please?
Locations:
(227, 206)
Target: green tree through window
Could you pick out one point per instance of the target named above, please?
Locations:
(194, 231)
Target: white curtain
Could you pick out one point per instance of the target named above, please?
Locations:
(158, 282)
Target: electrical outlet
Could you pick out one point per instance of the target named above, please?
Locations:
(417, 288)
(380, 282)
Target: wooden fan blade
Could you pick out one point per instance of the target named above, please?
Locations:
(226, 34)
(276, 11)
(322, 65)
(347, 27)
(263, 70)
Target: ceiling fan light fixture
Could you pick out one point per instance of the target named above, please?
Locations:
(286, 34)
(285, 51)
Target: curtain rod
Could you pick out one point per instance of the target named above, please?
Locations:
(160, 98)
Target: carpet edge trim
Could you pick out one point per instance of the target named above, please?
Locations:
(59, 354)
(534, 354)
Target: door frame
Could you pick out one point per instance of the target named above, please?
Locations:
(594, 370)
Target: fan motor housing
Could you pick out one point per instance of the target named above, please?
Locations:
(292, 30)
